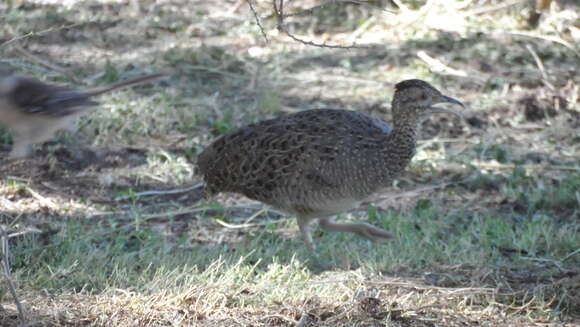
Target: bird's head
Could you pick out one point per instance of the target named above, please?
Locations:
(414, 101)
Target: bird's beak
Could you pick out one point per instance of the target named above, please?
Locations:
(446, 99)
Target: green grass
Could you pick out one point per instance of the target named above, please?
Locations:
(98, 256)
(129, 254)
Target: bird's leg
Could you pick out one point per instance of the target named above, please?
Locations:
(21, 145)
(35, 131)
(363, 229)
(304, 225)
(20, 149)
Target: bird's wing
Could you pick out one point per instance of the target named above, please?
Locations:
(35, 97)
(381, 125)
(355, 137)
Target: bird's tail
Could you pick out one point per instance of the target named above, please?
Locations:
(129, 82)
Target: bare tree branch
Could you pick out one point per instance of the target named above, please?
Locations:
(321, 45)
(38, 33)
(279, 12)
(541, 68)
(257, 17)
(6, 269)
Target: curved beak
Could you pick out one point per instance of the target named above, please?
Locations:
(446, 99)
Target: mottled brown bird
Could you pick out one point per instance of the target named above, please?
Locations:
(35, 110)
(318, 163)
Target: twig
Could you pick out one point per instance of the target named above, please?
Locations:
(257, 17)
(554, 39)
(39, 33)
(241, 226)
(570, 255)
(7, 204)
(531, 167)
(126, 214)
(157, 192)
(438, 66)
(42, 61)
(40, 198)
(321, 45)
(7, 275)
(235, 7)
(279, 12)
(233, 226)
(540, 67)
(24, 232)
(172, 213)
(400, 5)
(362, 28)
(554, 262)
(247, 223)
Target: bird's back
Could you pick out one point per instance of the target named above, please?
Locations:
(303, 163)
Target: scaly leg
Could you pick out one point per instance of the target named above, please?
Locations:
(304, 225)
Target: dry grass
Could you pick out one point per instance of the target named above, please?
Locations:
(108, 229)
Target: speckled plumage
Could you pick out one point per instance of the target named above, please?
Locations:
(318, 163)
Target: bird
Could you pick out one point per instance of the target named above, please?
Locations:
(316, 164)
(35, 110)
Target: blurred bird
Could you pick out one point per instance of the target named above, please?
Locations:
(35, 110)
(318, 163)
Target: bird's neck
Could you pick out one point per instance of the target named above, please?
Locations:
(401, 144)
